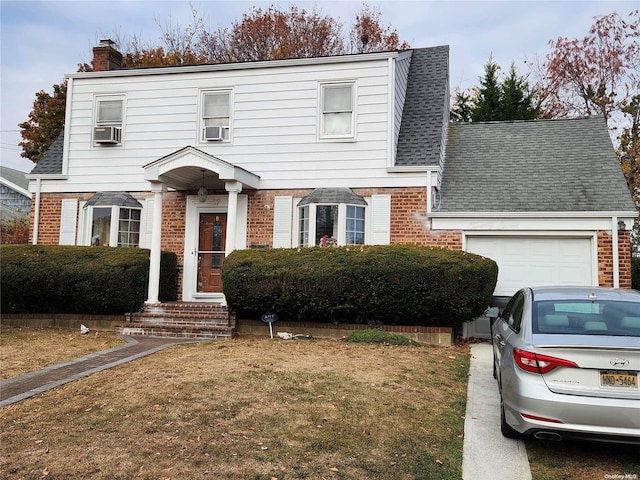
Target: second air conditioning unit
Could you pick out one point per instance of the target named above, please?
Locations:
(213, 133)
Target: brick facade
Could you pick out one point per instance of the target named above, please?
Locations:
(408, 225)
(605, 259)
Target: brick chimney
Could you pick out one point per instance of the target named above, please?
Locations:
(105, 57)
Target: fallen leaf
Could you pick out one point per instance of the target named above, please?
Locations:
(45, 472)
(439, 462)
(333, 469)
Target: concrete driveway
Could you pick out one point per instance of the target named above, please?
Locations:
(487, 454)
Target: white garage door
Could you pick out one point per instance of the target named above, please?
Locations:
(535, 261)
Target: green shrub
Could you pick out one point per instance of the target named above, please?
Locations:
(635, 273)
(394, 284)
(377, 335)
(70, 279)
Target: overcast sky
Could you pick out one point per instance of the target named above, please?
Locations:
(44, 40)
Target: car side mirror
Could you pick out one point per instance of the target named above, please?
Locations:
(492, 312)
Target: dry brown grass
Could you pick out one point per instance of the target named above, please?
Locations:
(249, 409)
(258, 409)
(23, 350)
(582, 461)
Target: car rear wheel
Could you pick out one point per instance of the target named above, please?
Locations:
(507, 430)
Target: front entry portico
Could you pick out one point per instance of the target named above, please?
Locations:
(216, 219)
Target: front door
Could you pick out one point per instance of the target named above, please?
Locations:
(211, 245)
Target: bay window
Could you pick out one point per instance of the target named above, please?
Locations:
(113, 219)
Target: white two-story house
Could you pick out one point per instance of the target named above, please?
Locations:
(348, 150)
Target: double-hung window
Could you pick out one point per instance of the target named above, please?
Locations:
(216, 116)
(109, 119)
(337, 107)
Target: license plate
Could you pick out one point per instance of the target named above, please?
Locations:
(618, 379)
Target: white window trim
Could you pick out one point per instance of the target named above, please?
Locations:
(200, 132)
(107, 97)
(354, 95)
(87, 223)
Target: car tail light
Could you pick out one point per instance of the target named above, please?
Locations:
(541, 419)
(537, 363)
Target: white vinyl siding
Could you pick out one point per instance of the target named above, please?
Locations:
(274, 116)
(68, 216)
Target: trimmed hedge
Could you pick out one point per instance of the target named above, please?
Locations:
(395, 284)
(71, 279)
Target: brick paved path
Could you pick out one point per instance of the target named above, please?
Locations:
(19, 388)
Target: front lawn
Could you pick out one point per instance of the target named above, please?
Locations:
(250, 408)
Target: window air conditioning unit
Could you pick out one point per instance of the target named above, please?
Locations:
(107, 134)
(213, 133)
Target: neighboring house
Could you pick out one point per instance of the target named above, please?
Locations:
(202, 160)
(15, 199)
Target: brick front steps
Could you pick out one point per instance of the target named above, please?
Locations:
(197, 320)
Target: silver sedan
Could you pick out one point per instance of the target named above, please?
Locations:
(567, 362)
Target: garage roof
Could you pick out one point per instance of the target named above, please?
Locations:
(532, 166)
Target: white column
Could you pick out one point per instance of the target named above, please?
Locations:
(234, 188)
(158, 190)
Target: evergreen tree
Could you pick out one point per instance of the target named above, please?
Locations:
(495, 100)
(518, 101)
(488, 103)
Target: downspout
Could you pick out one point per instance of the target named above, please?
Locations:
(429, 192)
(615, 245)
(36, 212)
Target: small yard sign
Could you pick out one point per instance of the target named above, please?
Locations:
(270, 318)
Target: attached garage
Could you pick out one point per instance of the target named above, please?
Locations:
(537, 260)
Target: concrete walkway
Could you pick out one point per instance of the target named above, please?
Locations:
(30, 384)
(487, 454)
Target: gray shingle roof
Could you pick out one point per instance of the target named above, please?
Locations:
(51, 161)
(532, 166)
(333, 195)
(14, 176)
(426, 108)
(121, 199)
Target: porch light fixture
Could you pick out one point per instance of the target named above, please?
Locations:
(202, 191)
(621, 226)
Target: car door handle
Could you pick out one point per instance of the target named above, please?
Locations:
(500, 339)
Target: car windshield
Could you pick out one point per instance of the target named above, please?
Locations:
(583, 317)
